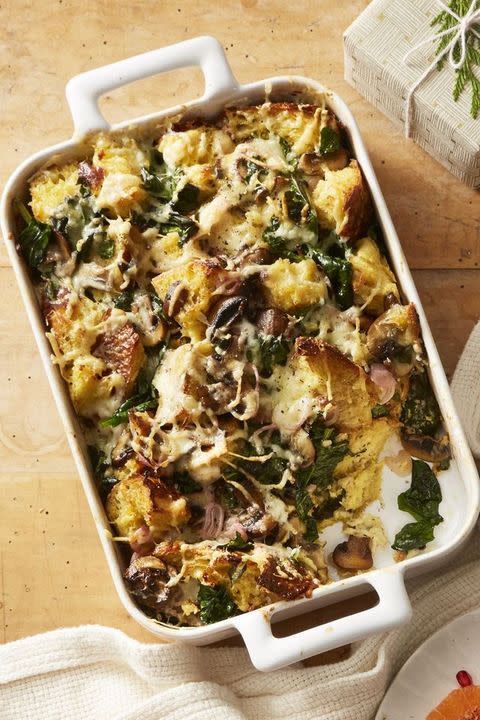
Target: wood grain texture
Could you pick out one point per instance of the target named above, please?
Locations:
(53, 570)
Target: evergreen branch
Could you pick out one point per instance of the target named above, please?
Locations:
(466, 77)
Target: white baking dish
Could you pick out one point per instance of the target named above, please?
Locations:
(459, 484)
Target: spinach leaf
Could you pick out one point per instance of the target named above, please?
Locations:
(424, 495)
(328, 453)
(100, 464)
(124, 300)
(329, 141)
(106, 248)
(188, 199)
(215, 604)
(304, 506)
(379, 411)
(297, 199)
(278, 244)
(270, 472)
(98, 460)
(267, 351)
(225, 492)
(413, 536)
(34, 238)
(185, 484)
(184, 225)
(157, 306)
(340, 273)
(420, 412)
(422, 501)
(146, 398)
(161, 185)
(290, 157)
(251, 169)
(238, 543)
(52, 286)
(327, 508)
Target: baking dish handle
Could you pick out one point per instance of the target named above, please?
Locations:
(270, 653)
(83, 91)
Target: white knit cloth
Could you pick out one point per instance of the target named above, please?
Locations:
(98, 673)
(466, 387)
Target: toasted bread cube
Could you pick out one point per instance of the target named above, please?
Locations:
(121, 160)
(298, 125)
(122, 352)
(372, 278)
(293, 286)
(50, 188)
(137, 501)
(198, 279)
(359, 473)
(317, 369)
(98, 364)
(343, 202)
(94, 394)
(196, 146)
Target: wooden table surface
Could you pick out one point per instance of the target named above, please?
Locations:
(53, 572)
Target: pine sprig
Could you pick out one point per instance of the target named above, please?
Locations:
(466, 76)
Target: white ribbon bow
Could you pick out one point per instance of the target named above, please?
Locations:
(464, 26)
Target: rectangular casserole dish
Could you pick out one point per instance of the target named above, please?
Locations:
(459, 484)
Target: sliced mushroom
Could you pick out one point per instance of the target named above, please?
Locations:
(389, 300)
(426, 448)
(63, 245)
(311, 164)
(272, 321)
(175, 298)
(336, 160)
(227, 314)
(393, 335)
(256, 256)
(315, 164)
(355, 554)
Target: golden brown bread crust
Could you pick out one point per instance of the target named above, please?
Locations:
(122, 352)
(340, 379)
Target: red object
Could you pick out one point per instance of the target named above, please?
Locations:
(464, 678)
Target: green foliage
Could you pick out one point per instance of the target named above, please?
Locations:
(146, 398)
(299, 205)
(185, 484)
(422, 501)
(215, 604)
(413, 536)
(424, 496)
(238, 543)
(420, 412)
(465, 75)
(329, 141)
(340, 273)
(379, 411)
(34, 238)
(267, 351)
(328, 453)
(124, 300)
(106, 248)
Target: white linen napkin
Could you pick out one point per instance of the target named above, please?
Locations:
(466, 389)
(98, 673)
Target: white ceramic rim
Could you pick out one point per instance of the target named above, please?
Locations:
(266, 651)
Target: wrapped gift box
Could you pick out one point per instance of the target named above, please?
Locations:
(375, 46)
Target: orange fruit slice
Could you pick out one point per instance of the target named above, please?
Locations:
(460, 704)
